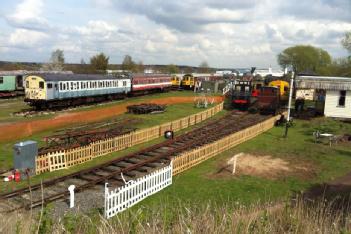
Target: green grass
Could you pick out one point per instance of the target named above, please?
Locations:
(9, 106)
(196, 186)
(173, 112)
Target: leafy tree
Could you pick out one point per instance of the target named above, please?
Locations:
(56, 63)
(304, 58)
(128, 63)
(99, 62)
(172, 69)
(140, 67)
(203, 67)
(346, 41)
(82, 61)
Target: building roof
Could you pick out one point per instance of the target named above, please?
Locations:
(76, 77)
(25, 72)
(323, 82)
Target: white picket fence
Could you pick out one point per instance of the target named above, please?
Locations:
(134, 191)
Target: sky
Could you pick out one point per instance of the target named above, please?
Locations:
(226, 34)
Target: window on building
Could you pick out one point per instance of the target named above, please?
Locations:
(49, 85)
(41, 84)
(342, 98)
(1, 80)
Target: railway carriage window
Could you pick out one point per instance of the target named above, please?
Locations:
(64, 86)
(60, 86)
(124, 83)
(41, 84)
(1, 80)
(342, 97)
(286, 88)
(49, 85)
(27, 84)
(56, 86)
(71, 85)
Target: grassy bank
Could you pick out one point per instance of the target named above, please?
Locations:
(283, 217)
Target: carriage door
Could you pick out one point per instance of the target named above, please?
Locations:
(50, 89)
(19, 82)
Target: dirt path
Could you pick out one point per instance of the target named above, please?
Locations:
(19, 130)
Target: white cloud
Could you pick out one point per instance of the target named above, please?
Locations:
(98, 28)
(225, 33)
(28, 14)
(24, 38)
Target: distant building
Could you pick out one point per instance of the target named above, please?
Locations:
(224, 72)
(149, 70)
(270, 72)
(333, 92)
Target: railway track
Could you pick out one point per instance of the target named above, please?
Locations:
(132, 166)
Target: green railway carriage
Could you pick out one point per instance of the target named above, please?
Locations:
(7, 83)
(11, 85)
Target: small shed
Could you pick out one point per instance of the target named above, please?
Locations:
(334, 92)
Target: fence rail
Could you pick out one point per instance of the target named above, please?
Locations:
(193, 157)
(63, 159)
(132, 192)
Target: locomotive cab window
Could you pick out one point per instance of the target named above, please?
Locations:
(342, 98)
(49, 85)
(1, 80)
(41, 84)
(27, 84)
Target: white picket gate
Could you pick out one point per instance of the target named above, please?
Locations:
(134, 191)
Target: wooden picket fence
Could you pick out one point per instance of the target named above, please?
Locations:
(132, 192)
(193, 157)
(63, 159)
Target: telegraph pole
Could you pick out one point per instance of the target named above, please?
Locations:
(289, 104)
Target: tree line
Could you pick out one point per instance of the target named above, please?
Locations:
(99, 63)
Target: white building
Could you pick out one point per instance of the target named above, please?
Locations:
(337, 90)
(265, 72)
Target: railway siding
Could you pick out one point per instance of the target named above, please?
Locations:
(63, 159)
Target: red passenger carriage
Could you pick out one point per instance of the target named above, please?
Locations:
(151, 82)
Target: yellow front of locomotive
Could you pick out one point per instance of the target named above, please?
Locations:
(35, 88)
